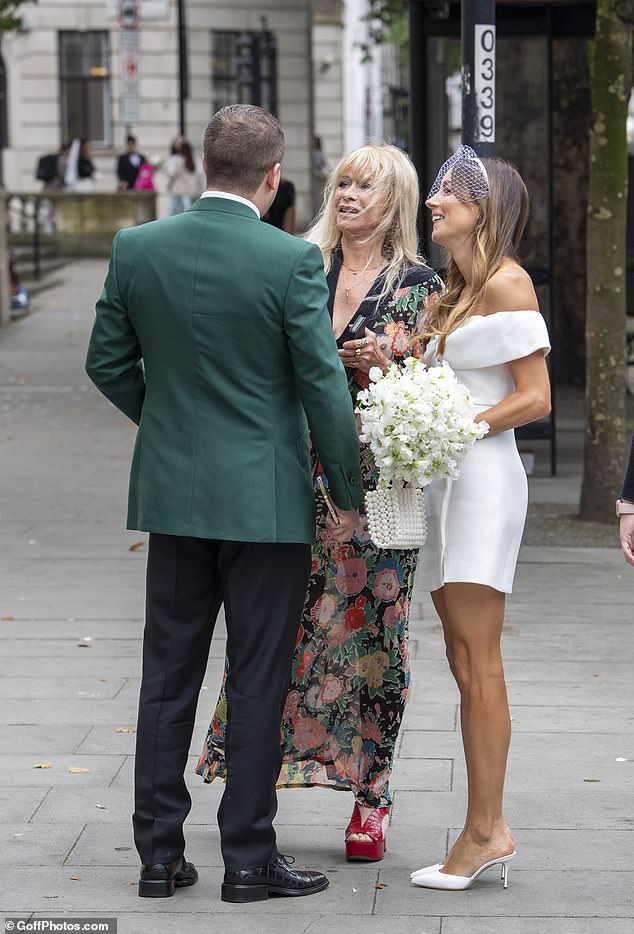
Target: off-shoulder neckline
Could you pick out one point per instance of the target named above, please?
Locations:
(516, 311)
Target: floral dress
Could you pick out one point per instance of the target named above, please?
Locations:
(350, 675)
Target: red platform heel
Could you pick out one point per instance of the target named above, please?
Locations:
(373, 849)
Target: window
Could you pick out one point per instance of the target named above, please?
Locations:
(243, 69)
(84, 68)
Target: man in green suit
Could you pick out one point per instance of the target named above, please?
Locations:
(212, 334)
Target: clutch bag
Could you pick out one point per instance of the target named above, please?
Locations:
(396, 517)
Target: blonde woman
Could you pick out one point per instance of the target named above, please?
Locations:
(488, 328)
(350, 676)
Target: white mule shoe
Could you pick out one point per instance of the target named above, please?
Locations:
(432, 878)
(419, 872)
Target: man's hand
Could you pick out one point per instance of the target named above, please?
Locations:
(626, 532)
(348, 522)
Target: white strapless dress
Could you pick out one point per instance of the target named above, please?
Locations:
(476, 522)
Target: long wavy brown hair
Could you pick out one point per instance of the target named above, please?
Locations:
(496, 236)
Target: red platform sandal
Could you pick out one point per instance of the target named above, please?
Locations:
(373, 849)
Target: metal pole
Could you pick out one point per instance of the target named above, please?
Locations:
(183, 71)
(478, 75)
(550, 78)
(418, 101)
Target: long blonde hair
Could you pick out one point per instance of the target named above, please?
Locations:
(501, 221)
(394, 184)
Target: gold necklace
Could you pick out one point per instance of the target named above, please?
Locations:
(365, 268)
(354, 272)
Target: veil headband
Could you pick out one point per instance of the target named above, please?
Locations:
(462, 177)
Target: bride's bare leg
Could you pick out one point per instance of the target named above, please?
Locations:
(472, 616)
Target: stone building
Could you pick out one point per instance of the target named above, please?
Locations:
(102, 68)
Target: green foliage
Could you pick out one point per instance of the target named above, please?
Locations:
(387, 22)
(9, 14)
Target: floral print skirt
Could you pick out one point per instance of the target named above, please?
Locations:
(350, 675)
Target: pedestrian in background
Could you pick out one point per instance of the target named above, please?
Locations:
(625, 510)
(184, 181)
(282, 212)
(128, 164)
(80, 170)
(51, 168)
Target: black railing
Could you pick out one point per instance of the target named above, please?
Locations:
(31, 226)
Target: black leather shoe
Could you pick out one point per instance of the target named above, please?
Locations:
(161, 880)
(255, 885)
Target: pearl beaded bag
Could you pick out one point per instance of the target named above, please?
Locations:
(396, 517)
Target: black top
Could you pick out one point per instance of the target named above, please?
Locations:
(127, 171)
(85, 168)
(628, 484)
(370, 306)
(285, 198)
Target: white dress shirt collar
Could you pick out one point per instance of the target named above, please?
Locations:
(231, 197)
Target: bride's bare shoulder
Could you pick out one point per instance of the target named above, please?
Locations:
(510, 288)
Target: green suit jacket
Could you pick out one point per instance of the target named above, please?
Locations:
(212, 334)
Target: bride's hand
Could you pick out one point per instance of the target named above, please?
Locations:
(363, 353)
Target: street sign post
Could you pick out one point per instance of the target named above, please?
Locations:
(478, 75)
(129, 58)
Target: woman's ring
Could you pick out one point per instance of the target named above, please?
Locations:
(363, 342)
(357, 352)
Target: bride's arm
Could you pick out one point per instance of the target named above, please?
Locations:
(529, 402)
(511, 289)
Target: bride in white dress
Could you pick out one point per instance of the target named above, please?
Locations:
(488, 327)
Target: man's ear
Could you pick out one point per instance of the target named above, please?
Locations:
(273, 176)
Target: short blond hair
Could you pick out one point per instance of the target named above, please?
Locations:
(394, 182)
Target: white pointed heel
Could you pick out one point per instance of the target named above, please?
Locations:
(418, 872)
(432, 878)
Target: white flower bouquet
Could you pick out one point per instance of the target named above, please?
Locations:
(419, 424)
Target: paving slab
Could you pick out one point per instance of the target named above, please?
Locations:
(576, 719)
(39, 740)
(243, 920)
(33, 888)
(23, 770)
(19, 804)
(553, 759)
(530, 893)
(590, 808)
(533, 925)
(25, 844)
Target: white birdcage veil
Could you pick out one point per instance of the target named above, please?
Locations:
(462, 177)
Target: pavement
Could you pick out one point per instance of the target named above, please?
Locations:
(71, 608)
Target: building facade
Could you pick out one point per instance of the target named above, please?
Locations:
(101, 69)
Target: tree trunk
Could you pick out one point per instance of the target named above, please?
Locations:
(605, 308)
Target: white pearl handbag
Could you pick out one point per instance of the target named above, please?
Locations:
(396, 517)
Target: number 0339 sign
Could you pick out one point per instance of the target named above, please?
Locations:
(484, 83)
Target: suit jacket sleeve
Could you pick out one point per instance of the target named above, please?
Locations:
(113, 361)
(321, 378)
(628, 484)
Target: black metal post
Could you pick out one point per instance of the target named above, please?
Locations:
(418, 98)
(183, 70)
(478, 75)
(37, 269)
(551, 234)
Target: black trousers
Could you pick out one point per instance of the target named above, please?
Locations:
(263, 587)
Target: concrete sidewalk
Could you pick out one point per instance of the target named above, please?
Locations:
(71, 607)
